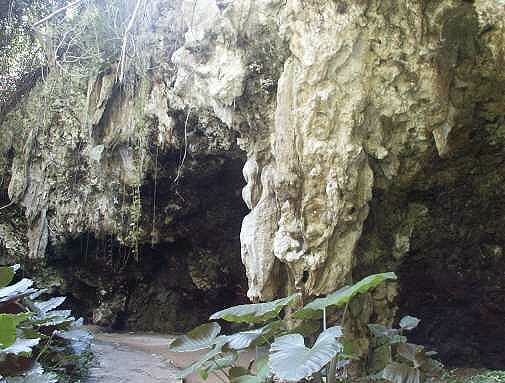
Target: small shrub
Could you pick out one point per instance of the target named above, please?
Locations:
(404, 362)
(279, 340)
(38, 342)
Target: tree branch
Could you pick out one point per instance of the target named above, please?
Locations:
(58, 11)
(120, 68)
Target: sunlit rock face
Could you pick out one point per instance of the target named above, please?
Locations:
(341, 113)
(362, 100)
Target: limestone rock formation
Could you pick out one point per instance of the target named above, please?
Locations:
(357, 125)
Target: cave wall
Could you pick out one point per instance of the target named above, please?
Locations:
(369, 134)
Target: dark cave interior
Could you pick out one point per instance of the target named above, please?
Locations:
(192, 269)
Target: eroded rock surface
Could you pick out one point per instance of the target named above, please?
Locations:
(349, 119)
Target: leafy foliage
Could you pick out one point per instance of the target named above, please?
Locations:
(212, 355)
(314, 310)
(409, 323)
(292, 361)
(255, 313)
(262, 375)
(197, 339)
(409, 363)
(34, 335)
(7, 274)
(256, 337)
(287, 357)
(8, 324)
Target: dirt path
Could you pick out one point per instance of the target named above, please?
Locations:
(139, 358)
(126, 358)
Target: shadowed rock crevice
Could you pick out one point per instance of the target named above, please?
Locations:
(443, 230)
(183, 268)
(369, 134)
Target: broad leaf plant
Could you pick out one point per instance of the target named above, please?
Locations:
(283, 340)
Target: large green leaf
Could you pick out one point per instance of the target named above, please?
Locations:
(263, 374)
(45, 306)
(16, 290)
(6, 274)
(35, 375)
(255, 313)
(419, 357)
(341, 297)
(291, 360)
(78, 339)
(197, 339)
(61, 319)
(217, 363)
(8, 324)
(391, 335)
(409, 322)
(20, 346)
(259, 336)
(401, 373)
(181, 374)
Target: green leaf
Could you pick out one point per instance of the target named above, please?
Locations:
(306, 328)
(259, 336)
(217, 363)
(7, 273)
(45, 306)
(20, 346)
(263, 374)
(197, 339)
(401, 373)
(407, 351)
(348, 350)
(242, 340)
(182, 373)
(290, 360)
(392, 335)
(255, 313)
(236, 372)
(419, 358)
(409, 323)
(314, 310)
(16, 290)
(8, 324)
(78, 339)
(35, 375)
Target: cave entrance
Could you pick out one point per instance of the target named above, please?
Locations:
(444, 234)
(185, 267)
(445, 237)
(460, 298)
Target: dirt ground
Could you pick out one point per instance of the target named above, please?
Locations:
(141, 358)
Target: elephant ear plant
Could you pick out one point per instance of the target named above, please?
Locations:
(282, 340)
(38, 342)
(403, 362)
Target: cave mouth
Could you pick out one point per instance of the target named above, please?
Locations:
(192, 270)
(444, 235)
(461, 302)
(159, 291)
(453, 276)
(451, 269)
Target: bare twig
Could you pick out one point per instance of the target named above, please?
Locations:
(57, 12)
(185, 147)
(6, 206)
(120, 68)
(154, 196)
